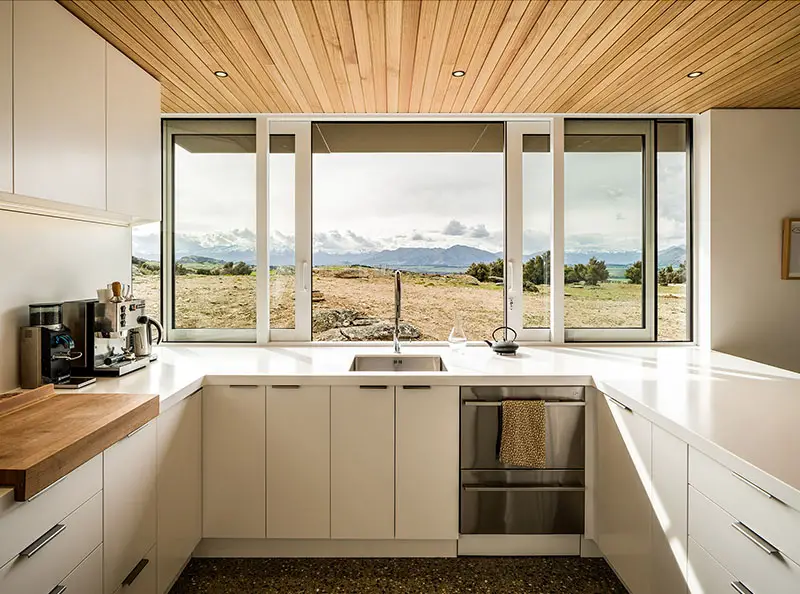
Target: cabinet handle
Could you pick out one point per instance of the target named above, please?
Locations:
(135, 431)
(530, 488)
(416, 387)
(755, 539)
(135, 573)
(244, 386)
(38, 544)
(750, 483)
(60, 589)
(47, 488)
(741, 588)
(286, 387)
(371, 387)
(619, 404)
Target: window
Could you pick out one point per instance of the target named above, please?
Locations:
(424, 198)
(211, 215)
(146, 267)
(288, 230)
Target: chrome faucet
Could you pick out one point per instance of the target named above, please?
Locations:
(397, 299)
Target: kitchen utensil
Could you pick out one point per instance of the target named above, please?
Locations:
(104, 295)
(142, 339)
(116, 289)
(505, 346)
(48, 315)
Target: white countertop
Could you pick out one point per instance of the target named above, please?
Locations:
(745, 414)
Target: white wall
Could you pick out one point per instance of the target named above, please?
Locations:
(747, 181)
(45, 258)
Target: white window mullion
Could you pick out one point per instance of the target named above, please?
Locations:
(262, 231)
(557, 234)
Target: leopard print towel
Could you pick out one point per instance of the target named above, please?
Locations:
(524, 434)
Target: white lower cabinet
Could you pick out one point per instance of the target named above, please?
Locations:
(298, 462)
(706, 575)
(143, 578)
(624, 513)
(87, 578)
(362, 462)
(426, 462)
(129, 505)
(179, 488)
(234, 462)
(670, 476)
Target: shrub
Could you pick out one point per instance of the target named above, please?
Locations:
(180, 269)
(634, 273)
(537, 270)
(596, 272)
(479, 270)
(672, 276)
(497, 268)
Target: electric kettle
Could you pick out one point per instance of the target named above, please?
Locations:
(142, 338)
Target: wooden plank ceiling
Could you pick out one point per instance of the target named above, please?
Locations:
(520, 56)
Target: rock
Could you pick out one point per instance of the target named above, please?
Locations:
(379, 331)
(317, 296)
(326, 319)
(333, 335)
(495, 279)
(351, 273)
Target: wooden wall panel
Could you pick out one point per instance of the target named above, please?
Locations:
(397, 56)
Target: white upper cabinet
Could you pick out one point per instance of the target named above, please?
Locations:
(426, 463)
(59, 106)
(6, 97)
(298, 462)
(134, 139)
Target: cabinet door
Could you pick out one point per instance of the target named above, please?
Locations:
(133, 133)
(59, 106)
(6, 97)
(624, 513)
(129, 504)
(362, 462)
(670, 513)
(298, 462)
(86, 578)
(234, 462)
(142, 580)
(180, 513)
(426, 463)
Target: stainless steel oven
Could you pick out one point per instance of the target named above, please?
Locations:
(496, 499)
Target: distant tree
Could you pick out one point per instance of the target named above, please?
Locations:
(572, 274)
(672, 276)
(240, 268)
(536, 271)
(634, 273)
(479, 270)
(180, 269)
(497, 268)
(596, 272)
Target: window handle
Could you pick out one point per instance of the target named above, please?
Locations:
(305, 277)
(510, 275)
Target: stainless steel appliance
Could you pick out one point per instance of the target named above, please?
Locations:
(102, 333)
(142, 340)
(501, 500)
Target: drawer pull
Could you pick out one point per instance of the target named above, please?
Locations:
(47, 488)
(286, 387)
(416, 387)
(245, 386)
(135, 573)
(750, 483)
(372, 387)
(619, 404)
(528, 488)
(755, 539)
(741, 588)
(135, 431)
(60, 589)
(40, 542)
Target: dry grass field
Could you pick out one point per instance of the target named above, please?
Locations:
(430, 302)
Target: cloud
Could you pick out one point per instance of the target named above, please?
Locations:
(418, 237)
(479, 231)
(455, 227)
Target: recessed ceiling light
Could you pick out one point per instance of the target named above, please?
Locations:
(695, 74)
(221, 74)
(458, 73)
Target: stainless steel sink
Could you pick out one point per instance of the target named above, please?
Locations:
(419, 363)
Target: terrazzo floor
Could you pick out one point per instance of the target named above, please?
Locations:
(506, 575)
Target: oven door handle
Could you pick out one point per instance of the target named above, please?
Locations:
(529, 488)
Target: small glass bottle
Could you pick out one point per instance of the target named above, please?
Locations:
(457, 338)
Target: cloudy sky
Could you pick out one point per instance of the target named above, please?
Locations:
(368, 202)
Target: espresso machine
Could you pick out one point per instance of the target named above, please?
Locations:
(109, 336)
(47, 350)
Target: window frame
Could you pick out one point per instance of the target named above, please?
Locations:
(516, 127)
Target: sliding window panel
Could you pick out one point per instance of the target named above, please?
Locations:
(529, 208)
(289, 235)
(609, 240)
(209, 247)
(146, 267)
(673, 226)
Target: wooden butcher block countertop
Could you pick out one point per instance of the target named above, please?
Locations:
(45, 435)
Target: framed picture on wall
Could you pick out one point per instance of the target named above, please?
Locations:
(790, 268)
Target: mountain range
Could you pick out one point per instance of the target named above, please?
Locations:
(457, 257)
